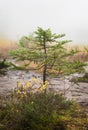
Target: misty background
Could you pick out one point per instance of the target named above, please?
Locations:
(22, 17)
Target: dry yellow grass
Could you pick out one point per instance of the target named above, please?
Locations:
(6, 46)
(81, 47)
(82, 55)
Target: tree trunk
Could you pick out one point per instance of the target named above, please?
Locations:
(45, 62)
(44, 73)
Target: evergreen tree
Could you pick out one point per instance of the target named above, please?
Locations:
(46, 50)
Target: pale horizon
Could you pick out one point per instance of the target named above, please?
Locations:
(22, 17)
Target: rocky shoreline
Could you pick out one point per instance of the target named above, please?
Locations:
(70, 90)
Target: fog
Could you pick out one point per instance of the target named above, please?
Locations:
(22, 17)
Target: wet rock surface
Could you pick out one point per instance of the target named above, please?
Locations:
(78, 92)
(9, 81)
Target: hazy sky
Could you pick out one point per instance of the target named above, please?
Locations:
(21, 17)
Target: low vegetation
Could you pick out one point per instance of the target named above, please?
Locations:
(30, 108)
(83, 79)
(3, 66)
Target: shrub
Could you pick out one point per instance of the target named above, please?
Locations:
(40, 111)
